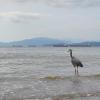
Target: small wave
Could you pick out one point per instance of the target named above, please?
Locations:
(55, 77)
(91, 76)
(61, 97)
(76, 95)
(70, 77)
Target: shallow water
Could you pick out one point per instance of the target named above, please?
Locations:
(47, 74)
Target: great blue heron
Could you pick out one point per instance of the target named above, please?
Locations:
(75, 61)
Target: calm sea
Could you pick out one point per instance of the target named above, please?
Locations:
(47, 74)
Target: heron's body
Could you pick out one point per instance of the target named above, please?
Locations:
(75, 61)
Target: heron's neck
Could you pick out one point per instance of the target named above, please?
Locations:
(71, 54)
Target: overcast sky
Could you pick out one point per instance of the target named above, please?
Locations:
(64, 19)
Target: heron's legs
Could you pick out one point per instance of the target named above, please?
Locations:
(77, 69)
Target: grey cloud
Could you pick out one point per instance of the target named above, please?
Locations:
(67, 3)
(74, 3)
(62, 3)
(20, 16)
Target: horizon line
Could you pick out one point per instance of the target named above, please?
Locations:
(63, 39)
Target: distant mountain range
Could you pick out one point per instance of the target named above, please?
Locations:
(88, 43)
(34, 42)
(48, 42)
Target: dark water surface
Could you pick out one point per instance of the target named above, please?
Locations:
(47, 74)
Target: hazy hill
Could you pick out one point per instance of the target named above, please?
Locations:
(37, 42)
(48, 42)
(89, 43)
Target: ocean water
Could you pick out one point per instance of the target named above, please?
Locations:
(39, 73)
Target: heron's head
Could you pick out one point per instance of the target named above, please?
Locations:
(70, 50)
